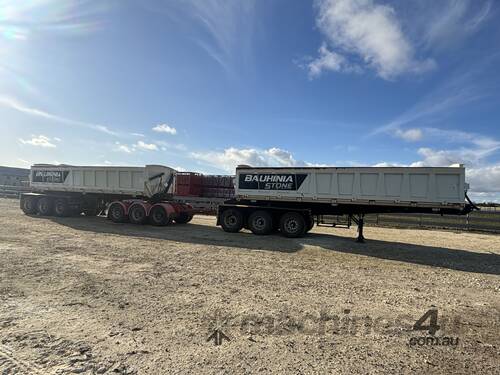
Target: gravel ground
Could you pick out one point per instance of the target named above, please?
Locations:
(84, 295)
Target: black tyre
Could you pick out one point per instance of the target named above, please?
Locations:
(232, 220)
(292, 224)
(183, 218)
(137, 214)
(28, 205)
(45, 206)
(159, 217)
(61, 207)
(116, 213)
(260, 222)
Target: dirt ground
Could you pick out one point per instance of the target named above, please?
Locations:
(84, 295)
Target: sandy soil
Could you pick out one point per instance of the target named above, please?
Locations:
(84, 295)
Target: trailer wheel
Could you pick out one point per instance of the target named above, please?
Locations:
(159, 217)
(292, 224)
(137, 214)
(116, 213)
(45, 206)
(232, 220)
(260, 222)
(183, 218)
(28, 205)
(61, 207)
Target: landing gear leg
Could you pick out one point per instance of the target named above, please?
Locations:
(361, 238)
(360, 221)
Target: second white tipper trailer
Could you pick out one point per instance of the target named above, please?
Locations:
(134, 194)
(289, 199)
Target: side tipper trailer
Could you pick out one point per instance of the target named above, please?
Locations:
(135, 194)
(289, 199)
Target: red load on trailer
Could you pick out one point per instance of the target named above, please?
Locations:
(188, 184)
(218, 186)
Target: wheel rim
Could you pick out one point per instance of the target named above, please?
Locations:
(43, 206)
(28, 204)
(291, 226)
(59, 207)
(259, 223)
(230, 220)
(158, 216)
(137, 214)
(116, 212)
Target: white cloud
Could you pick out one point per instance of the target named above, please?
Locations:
(39, 141)
(328, 60)
(164, 128)
(451, 20)
(25, 162)
(370, 34)
(146, 146)
(461, 90)
(23, 19)
(124, 148)
(484, 197)
(470, 148)
(410, 135)
(166, 146)
(20, 107)
(388, 164)
(232, 157)
(154, 146)
(473, 151)
(459, 136)
(228, 30)
(443, 158)
(222, 29)
(476, 144)
(484, 179)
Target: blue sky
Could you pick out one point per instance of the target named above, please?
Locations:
(206, 85)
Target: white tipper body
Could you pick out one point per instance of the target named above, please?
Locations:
(133, 181)
(388, 186)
